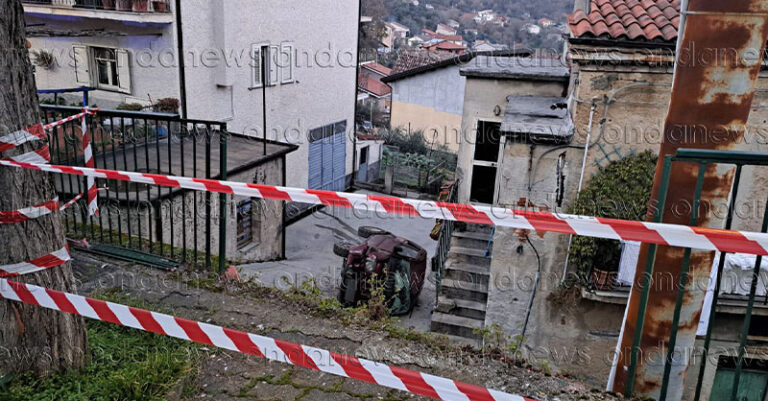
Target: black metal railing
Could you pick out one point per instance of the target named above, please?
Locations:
(140, 6)
(444, 240)
(172, 223)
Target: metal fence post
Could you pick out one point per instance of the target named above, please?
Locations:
(748, 317)
(646, 286)
(683, 283)
(223, 200)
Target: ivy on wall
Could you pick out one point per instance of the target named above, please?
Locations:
(620, 190)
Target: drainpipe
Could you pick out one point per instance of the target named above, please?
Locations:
(581, 179)
(182, 67)
(357, 85)
(709, 108)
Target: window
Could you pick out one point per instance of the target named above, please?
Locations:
(106, 66)
(248, 222)
(364, 155)
(103, 68)
(279, 64)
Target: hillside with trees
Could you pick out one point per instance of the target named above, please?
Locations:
(520, 14)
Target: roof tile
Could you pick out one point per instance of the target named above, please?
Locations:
(642, 20)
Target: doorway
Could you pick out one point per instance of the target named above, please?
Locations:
(485, 162)
(753, 381)
(362, 168)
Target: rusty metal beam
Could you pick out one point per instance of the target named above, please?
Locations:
(720, 54)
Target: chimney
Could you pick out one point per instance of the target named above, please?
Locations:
(583, 5)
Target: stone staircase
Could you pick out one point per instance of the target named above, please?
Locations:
(463, 292)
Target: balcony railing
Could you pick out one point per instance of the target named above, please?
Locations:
(137, 6)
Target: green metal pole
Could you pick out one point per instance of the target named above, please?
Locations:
(716, 294)
(223, 137)
(683, 284)
(646, 289)
(748, 317)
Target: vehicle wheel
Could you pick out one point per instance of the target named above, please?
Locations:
(347, 295)
(389, 289)
(342, 249)
(367, 231)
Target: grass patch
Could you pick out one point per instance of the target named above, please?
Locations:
(126, 364)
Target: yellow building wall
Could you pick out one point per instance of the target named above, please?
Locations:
(439, 128)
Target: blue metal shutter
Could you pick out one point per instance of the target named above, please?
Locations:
(315, 163)
(339, 161)
(327, 157)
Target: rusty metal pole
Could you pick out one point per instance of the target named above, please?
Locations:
(720, 50)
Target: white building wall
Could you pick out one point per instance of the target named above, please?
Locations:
(144, 44)
(323, 33)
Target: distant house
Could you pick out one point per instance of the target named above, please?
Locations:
(394, 34)
(532, 29)
(546, 22)
(370, 89)
(453, 24)
(485, 16)
(485, 46)
(445, 29)
(428, 35)
(440, 45)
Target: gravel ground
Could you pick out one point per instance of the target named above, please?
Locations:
(225, 375)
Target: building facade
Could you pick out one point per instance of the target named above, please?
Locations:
(208, 54)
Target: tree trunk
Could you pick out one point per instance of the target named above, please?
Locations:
(31, 338)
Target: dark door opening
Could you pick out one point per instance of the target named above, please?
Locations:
(485, 163)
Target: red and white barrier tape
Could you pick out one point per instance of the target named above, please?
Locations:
(656, 233)
(40, 156)
(93, 204)
(265, 347)
(37, 211)
(53, 259)
(66, 120)
(29, 213)
(18, 138)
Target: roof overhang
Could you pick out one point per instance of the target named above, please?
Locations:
(538, 119)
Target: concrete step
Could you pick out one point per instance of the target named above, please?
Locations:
(477, 228)
(464, 290)
(472, 342)
(477, 277)
(455, 325)
(461, 265)
(469, 256)
(472, 243)
(461, 307)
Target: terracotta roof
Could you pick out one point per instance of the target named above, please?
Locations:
(452, 38)
(374, 87)
(412, 60)
(383, 70)
(445, 45)
(641, 20)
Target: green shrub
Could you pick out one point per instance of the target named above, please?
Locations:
(130, 107)
(621, 190)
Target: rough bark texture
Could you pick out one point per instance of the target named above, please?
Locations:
(31, 338)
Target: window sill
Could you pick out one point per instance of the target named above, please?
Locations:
(726, 304)
(249, 247)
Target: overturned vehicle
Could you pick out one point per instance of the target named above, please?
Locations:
(397, 264)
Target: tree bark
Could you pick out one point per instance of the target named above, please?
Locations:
(31, 338)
